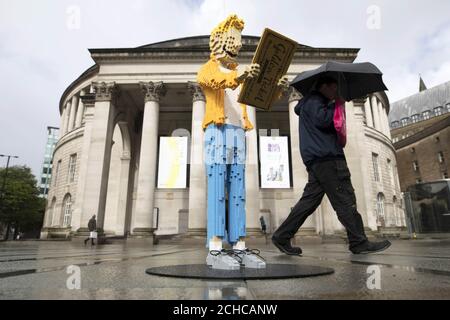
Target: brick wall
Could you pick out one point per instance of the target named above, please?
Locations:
(426, 154)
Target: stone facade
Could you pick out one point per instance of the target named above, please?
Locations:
(113, 115)
(62, 186)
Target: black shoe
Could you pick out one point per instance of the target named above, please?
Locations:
(371, 247)
(85, 241)
(286, 247)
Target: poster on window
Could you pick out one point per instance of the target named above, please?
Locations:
(274, 162)
(172, 162)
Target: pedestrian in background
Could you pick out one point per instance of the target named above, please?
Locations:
(92, 226)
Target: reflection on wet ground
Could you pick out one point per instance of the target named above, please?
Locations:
(39, 270)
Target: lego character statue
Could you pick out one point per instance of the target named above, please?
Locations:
(225, 123)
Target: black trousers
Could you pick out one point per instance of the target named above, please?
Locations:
(330, 177)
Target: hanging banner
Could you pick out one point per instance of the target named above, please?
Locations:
(172, 162)
(274, 157)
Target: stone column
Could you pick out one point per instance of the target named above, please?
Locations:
(299, 173)
(380, 113)
(386, 114)
(63, 120)
(80, 218)
(384, 120)
(197, 181)
(99, 154)
(358, 161)
(142, 222)
(123, 197)
(376, 114)
(368, 112)
(252, 204)
(73, 110)
(66, 115)
(80, 110)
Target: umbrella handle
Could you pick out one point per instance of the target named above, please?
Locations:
(340, 87)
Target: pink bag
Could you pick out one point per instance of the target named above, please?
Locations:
(339, 122)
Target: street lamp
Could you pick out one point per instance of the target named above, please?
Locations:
(4, 183)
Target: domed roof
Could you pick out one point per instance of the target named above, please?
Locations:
(198, 42)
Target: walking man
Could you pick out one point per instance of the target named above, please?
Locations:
(92, 226)
(324, 158)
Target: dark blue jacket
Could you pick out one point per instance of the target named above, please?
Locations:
(318, 138)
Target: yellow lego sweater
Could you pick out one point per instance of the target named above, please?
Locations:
(214, 82)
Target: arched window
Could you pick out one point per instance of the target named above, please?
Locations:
(67, 210)
(72, 168)
(380, 210)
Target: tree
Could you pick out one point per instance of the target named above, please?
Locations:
(20, 204)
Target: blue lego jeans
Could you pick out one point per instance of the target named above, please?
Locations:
(225, 170)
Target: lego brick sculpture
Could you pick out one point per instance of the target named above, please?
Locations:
(225, 123)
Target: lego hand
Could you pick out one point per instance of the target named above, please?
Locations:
(253, 70)
(283, 83)
(250, 72)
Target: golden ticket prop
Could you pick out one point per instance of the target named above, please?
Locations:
(274, 55)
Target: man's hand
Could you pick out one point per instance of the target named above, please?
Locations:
(250, 72)
(283, 83)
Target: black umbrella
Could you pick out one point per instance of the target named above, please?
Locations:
(355, 80)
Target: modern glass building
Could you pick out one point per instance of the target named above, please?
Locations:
(46, 172)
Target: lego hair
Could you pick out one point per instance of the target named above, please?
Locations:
(216, 40)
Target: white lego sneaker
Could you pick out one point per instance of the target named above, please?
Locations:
(251, 258)
(223, 260)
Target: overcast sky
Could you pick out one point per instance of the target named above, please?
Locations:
(43, 45)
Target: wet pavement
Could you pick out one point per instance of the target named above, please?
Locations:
(410, 269)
